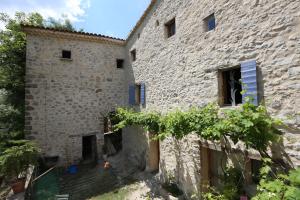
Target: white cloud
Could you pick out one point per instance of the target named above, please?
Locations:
(72, 9)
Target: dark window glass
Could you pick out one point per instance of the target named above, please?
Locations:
(210, 22)
(133, 55)
(137, 94)
(255, 167)
(66, 54)
(230, 87)
(171, 28)
(120, 63)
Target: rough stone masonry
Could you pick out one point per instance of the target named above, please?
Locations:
(65, 98)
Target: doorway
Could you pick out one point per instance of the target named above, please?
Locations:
(154, 154)
(89, 148)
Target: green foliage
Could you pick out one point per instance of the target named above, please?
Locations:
(213, 194)
(150, 121)
(64, 24)
(16, 160)
(249, 124)
(232, 185)
(278, 186)
(12, 72)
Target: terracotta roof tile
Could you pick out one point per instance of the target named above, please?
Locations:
(140, 21)
(73, 32)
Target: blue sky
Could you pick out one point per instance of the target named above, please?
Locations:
(110, 17)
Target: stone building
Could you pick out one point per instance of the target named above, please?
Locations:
(181, 53)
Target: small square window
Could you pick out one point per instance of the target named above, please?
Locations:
(230, 87)
(170, 28)
(210, 22)
(133, 55)
(66, 54)
(157, 23)
(120, 63)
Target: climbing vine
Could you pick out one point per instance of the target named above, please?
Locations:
(249, 124)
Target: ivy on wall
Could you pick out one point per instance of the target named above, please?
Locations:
(249, 124)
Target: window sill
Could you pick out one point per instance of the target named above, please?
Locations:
(66, 59)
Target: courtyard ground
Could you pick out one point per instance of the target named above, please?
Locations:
(93, 182)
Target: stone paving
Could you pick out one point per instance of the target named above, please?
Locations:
(88, 182)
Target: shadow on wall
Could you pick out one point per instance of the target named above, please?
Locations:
(135, 146)
(280, 156)
(186, 172)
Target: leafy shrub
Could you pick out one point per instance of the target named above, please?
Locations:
(232, 185)
(278, 186)
(249, 124)
(15, 160)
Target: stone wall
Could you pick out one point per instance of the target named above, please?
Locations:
(66, 99)
(182, 71)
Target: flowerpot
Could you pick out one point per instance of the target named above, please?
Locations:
(18, 186)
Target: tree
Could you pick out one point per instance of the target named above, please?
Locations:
(64, 24)
(12, 71)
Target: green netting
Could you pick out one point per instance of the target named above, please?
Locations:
(47, 186)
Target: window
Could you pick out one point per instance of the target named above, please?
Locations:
(255, 167)
(133, 55)
(213, 162)
(170, 28)
(157, 23)
(66, 54)
(230, 87)
(210, 22)
(120, 63)
(137, 94)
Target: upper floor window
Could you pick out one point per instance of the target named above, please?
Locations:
(66, 54)
(210, 22)
(170, 28)
(239, 84)
(230, 87)
(133, 55)
(120, 63)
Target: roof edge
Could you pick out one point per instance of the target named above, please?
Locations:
(141, 20)
(26, 28)
(77, 34)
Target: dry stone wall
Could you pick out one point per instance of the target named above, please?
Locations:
(182, 71)
(65, 99)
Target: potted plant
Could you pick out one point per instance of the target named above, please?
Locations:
(14, 163)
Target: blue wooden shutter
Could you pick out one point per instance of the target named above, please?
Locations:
(249, 80)
(143, 94)
(131, 94)
(211, 23)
